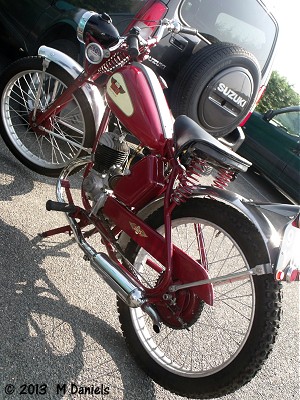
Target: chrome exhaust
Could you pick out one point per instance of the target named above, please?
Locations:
(123, 284)
(126, 288)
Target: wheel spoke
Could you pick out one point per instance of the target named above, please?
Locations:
(40, 147)
(227, 324)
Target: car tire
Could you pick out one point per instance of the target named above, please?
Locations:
(217, 87)
(67, 46)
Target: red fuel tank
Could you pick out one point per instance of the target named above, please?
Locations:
(135, 96)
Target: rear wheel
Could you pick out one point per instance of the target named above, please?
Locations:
(48, 148)
(221, 347)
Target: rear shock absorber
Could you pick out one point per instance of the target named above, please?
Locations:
(223, 178)
(188, 181)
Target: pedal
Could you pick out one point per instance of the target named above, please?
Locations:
(58, 206)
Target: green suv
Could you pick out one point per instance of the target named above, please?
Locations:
(272, 144)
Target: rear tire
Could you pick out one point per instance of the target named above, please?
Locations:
(46, 153)
(225, 347)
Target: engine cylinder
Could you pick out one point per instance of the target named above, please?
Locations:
(110, 151)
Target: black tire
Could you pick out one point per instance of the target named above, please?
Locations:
(217, 87)
(67, 46)
(236, 335)
(46, 153)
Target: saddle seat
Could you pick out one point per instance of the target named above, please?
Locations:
(189, 135)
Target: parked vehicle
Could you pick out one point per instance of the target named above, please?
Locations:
(273, 146)
(214, 83)
(169, 241)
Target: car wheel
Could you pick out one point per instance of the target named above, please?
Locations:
(217, 87)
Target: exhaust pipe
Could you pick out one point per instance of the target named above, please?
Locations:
(122, 284)
(126, 288)
(111, 272)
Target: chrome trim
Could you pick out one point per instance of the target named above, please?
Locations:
(165, 114)
(72, 67)
(82, 23)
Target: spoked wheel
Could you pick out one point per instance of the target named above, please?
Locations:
(26, 93)
(222, 347)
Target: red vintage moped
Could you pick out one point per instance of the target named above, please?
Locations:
(196, 268)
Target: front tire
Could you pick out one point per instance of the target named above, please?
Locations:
(225, 347)
(45, 152)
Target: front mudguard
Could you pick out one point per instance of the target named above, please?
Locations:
(72, 67)
(253, 211)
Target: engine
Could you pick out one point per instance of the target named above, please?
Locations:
(111, 157)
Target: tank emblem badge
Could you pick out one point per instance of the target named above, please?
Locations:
(118, 93)
(116, 87)
(137, 229)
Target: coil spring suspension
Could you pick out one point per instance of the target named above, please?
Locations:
(223, 178)
(188, 181)
(114, 61)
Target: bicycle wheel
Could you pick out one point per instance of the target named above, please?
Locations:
(48, 148)
(222, 346)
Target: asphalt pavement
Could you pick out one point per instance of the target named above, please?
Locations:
(59, 328)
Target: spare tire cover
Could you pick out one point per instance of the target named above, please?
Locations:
(217, 87)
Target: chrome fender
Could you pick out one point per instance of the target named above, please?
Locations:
(72, 67)
(253, 211)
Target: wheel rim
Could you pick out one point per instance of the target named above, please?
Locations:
(51, 149)
(221, 331)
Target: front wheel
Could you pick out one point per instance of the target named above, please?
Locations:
(48, 148)
(223, 346)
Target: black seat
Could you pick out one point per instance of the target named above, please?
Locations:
(189, 134)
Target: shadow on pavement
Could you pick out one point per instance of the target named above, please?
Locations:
(44, 339)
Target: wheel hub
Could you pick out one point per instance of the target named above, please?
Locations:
(38, 129)
(181, 310)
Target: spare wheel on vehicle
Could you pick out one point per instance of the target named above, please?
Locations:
(217, 87)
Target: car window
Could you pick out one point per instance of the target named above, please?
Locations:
(246, 24)
(110, 6)
(289, 122)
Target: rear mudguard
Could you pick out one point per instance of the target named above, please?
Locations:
(72, 67)
(253, 211)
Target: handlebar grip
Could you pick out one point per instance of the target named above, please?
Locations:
(133, 45)
(58, 206)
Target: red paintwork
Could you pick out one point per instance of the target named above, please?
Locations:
(144, 184)
(184, 268)
(145, 121)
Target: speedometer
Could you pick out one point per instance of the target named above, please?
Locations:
(94, 53)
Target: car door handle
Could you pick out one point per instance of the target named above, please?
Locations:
(179, 42)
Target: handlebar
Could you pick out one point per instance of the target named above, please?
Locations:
(134, 40)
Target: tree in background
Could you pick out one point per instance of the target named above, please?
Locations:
(279, 94)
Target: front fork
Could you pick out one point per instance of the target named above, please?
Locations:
(39, 91)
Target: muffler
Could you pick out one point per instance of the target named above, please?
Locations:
(125, 286)
(112, 273)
